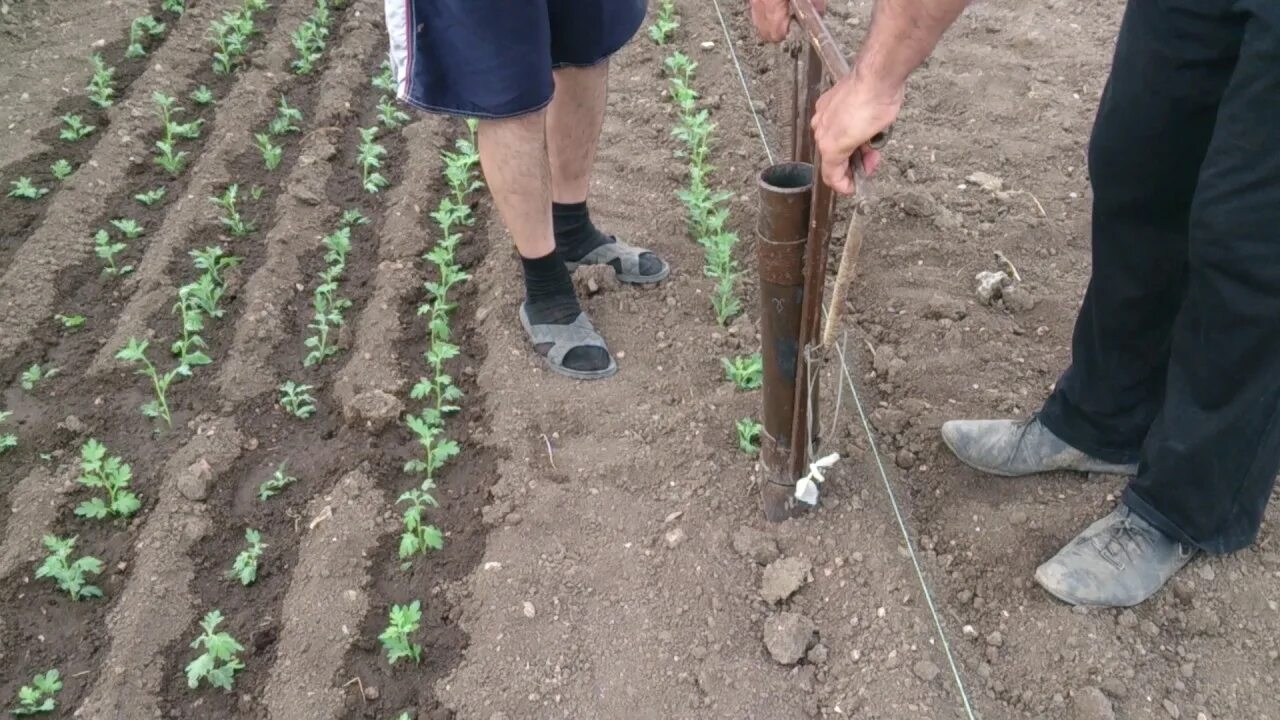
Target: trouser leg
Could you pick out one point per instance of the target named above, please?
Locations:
(1210, 460)
(1172, 62)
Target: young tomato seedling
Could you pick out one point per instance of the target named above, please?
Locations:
(73, 128)
(70, 575)
(202, 96)
(220, 660)
(70, 322)
(177, 7)
(286, 119)
(370, 159)
(140, 30)
(245, 567)
(297, 400)
(749, 435)
(271, 153)
(101, 87)
(278, 482)
(746, 372)
(107, 252)
(389, 115)
(38, 697)
(418, 536)
(8, 441)
(61, 169)
(128, 227)
(231, 218)
(34, 375)
(402, 622)
(110, 474)
(24, 189)
(665, 24)
(150, 197)
(136, 352)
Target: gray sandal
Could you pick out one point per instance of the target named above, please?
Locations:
(627, 266)
(554, 342)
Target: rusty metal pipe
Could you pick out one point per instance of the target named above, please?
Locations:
(782, 231)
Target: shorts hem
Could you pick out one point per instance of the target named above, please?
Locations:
(454, 112)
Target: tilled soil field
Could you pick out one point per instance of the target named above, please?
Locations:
(603, 555)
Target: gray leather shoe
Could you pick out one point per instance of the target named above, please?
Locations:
(1012, 448)
(1118, 561)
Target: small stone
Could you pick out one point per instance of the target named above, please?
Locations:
(995, 639)
(1171, 708)
(990, 285)
(818, 654)
(925, 670)
(751, 543)
(529, 610)
(194, 482)
(72, 425)
(1090, 703)
(986, 181)
(674, 537)
(782, 578)
(918, 204)
(514, 518)
(371, 693)
(1149, 628)
(374, 408)
(905, 459)
(707, 45)
(787, 635)
(1018, 299)
(1127, 619)
(1115, 687)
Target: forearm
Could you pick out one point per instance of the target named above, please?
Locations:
(902, 34)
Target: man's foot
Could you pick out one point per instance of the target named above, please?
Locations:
(556, 324)
(1012, 448)
(580, 243)
(1118, 561)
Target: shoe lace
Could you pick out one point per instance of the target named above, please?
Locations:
(1124, 541)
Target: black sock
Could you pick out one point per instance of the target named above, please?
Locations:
(575, 234)
(551, 300)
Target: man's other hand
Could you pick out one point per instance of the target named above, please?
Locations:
(772, 18)
(846, 117)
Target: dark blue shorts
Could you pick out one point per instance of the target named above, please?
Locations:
(493, 58)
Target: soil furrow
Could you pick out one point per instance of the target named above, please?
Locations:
(248, 106)
(157, 605)
(327, 600)
(27, 288)
(302, 217)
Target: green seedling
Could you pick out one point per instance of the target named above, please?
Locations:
(61, 169)
(128, 227)
(385, 80)
(418, 535)
(352, 217)
(746, 372)
(107, 252)
(402, 621)
(255, 192)
(24, 189)
(150, 197)
(245, 567)
(749, 435)
(405, 716)
(724, 300)
(140, 30)
(8, 441)
(212, 261)
(286, 119)
(35, 374)
(309, 39)
(167, 109)
(278, 482)
(101, 87)
(169, 157)
(328, 307)
(70, 575)
(389, 115)
(665, 24)
(230, 37)
(111, 475)
(297, 400)
(231, 218)
(271, 153)
(220, 660)
(202, 96)
(38, 697)
(370, 159)
(70, 322)
(136, 352)
(177, 7)
(74, 128)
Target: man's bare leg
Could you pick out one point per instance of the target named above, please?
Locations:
(513, 154)
(574, 119)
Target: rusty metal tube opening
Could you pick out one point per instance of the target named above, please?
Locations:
(782, 231)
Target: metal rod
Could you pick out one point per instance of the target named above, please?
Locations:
(809, 99)
(782, 230)
(815, 272)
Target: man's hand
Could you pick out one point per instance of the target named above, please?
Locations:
(772, 18)
(846, 117)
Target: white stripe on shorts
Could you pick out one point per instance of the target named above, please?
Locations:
(399, 15)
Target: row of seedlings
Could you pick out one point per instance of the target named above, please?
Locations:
(707, 211)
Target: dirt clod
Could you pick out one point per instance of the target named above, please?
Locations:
(754, 544)
(787, 636)
(1090, 703)
(674, 537)
(195, 481)
(986, 181)
(944, 308)
(782, 578)
(591, 280)
(375, 408)
(926, 670)
(991, 285)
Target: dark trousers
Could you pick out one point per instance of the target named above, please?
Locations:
(1176, 352)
